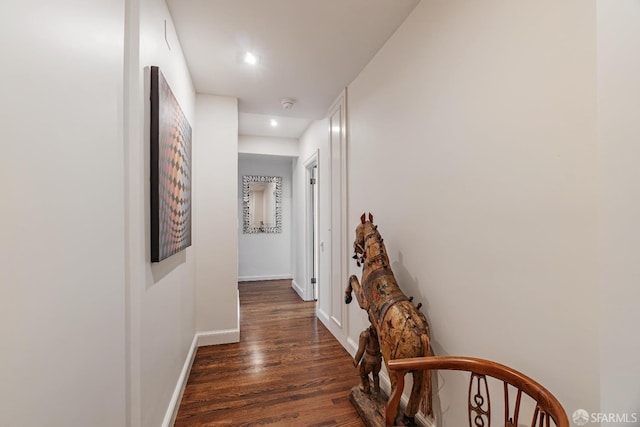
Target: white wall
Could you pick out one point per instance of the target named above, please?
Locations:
(79, 292)
(162, 295)
(473, 144)
(215, 169)
(272, 146)
(265, 256)
(62, 306)
(619, 131)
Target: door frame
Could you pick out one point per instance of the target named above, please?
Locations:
(312, 213)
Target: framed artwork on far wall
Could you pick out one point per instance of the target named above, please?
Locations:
(170, 172)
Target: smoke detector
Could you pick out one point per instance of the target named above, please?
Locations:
(288, 103)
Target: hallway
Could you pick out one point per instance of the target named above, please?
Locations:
(496, 143)
(287, 369)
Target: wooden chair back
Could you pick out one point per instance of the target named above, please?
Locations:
(547, 407)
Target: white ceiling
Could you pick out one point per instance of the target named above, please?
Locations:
(309, 50)
(258, 124)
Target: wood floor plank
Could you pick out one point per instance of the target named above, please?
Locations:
(287, 369)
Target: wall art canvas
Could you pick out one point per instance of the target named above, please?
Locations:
(170, 172)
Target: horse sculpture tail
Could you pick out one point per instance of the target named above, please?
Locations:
(427, 402)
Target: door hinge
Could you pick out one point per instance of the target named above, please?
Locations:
(312, 181)
(313, 280)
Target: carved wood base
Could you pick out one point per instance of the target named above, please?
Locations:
(371, 408)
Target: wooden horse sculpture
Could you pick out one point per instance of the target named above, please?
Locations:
(402, 329)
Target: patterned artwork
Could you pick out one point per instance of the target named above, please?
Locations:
(170, 172)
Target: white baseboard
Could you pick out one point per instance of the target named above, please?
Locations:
(271, 277)
(324, 318)
(304, 293)
(176, 397)
(298, 290)
(353, 346)
(218, 337)
(301, 291)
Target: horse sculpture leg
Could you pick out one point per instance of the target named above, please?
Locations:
(394, 383)
(421, 392)
(347, 294)
(416, 394)
(427, 389)
(354, 286)
(420, 397)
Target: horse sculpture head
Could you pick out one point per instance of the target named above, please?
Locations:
(359, 253)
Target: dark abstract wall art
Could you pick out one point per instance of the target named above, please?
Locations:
(170, 172)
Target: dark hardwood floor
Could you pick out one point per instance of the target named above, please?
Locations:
(287, 369)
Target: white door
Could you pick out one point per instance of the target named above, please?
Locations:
(338, 167)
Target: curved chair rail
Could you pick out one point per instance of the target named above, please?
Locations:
(547, 406)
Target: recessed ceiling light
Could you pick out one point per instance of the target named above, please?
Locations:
(274, 123)
(251, 58)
